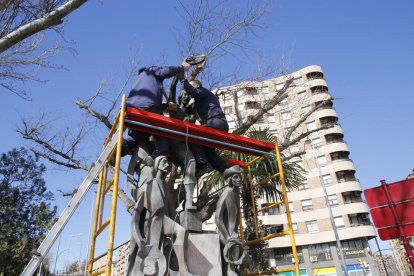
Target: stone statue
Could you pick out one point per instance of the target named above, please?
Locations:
(182, 156)
(227, 221)
(151, 223)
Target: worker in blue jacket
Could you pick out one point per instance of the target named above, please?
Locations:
(146, 94)
(207, 108)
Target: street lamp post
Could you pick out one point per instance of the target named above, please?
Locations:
(338, 242)
(57, 257)
(382, 258)
(70, 241)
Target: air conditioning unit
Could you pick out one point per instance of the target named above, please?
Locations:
(313, 259)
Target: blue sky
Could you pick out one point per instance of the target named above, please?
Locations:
(364, 47)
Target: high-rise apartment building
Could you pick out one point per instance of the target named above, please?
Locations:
(386, 266)
(326, 159)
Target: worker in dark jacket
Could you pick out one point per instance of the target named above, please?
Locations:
(207, 108)
(146, 94)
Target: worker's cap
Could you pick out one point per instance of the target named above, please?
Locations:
(236, 169)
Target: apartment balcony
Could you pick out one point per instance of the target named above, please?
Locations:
(328, 104)
(339, 165)
(326, 113)
(317, 86)
(344, 187)
(339, 156)
(334, 147)
(350, 197)
(310, 69)
(314, 75)
(328, 120)
(336, 129)
(321, 97)
(343, 176)
(334, 138)
(351, 208)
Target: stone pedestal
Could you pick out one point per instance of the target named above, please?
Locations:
(191, 220)
(203, 254)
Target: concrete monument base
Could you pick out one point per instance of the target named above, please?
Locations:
(203, 254)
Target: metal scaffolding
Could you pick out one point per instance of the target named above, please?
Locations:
(107, 169)
(281, 177)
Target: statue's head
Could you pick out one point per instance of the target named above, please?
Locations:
(161, 164)
(235, 175)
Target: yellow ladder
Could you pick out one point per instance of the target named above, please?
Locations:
(285, 202)
(104, 186)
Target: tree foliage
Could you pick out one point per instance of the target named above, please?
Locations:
(25, 209)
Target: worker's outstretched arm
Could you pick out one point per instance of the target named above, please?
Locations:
(166, 72)
(196, 93)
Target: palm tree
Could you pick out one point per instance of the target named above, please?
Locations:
(270, 191)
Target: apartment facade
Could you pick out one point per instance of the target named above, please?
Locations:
(328, 166)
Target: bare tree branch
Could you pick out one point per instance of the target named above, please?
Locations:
(287, 141)
(268, 105)
(93, 113)
(50, 19)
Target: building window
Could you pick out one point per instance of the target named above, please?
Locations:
(303, 186)
(339, 222)
(228, 110)
(333, 200)
(298, 81)
(311, 126)
(294, 148)
(252, 105)
(251, 90)
(286, 116)
(353, 249)
(312, 226)
(307, 204)
(319, 252)
(316, 143)
(306, 109)
(295, 228)
(275, 228)
(302, 95)
(271, 119)
(326, 179)
(321, 160)
(284, 256)
(279, 86)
